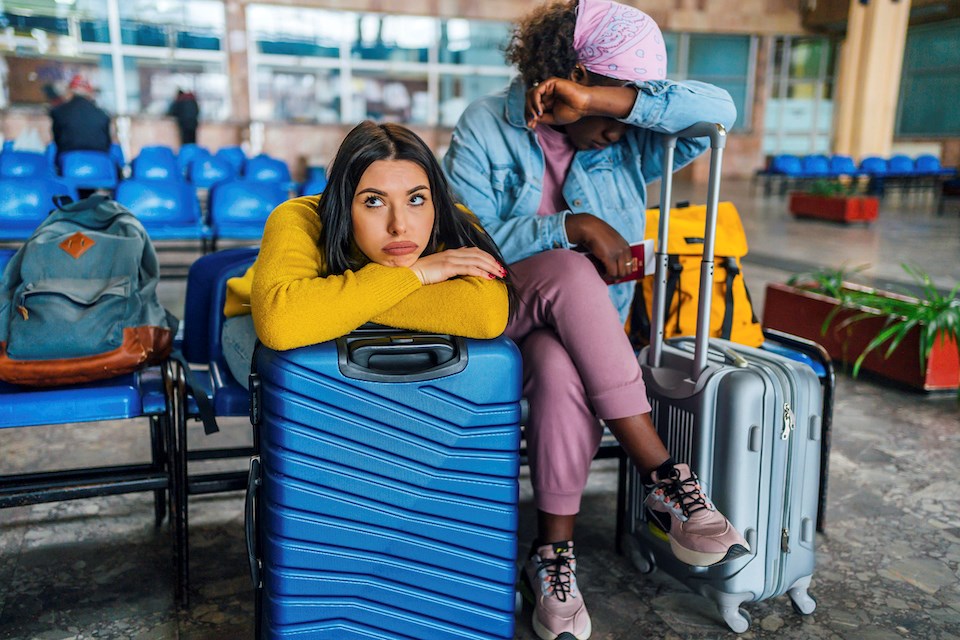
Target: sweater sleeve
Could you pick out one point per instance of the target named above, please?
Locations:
(471, 307)
(294, 303)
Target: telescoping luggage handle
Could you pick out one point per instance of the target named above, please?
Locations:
(718, 140)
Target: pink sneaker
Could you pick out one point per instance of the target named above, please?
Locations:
(699, 534)
(550, 574)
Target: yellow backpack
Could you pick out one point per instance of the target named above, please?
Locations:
(731, 313)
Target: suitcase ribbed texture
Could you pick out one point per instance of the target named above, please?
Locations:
(389, 509)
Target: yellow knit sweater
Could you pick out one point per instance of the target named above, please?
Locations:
(295, 302)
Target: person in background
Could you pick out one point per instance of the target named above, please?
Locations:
(186, 111)
(79, 124)
(385, 243)
(555, 167)
(52, 96)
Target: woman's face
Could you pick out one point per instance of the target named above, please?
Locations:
(393, 212)
(594, 132)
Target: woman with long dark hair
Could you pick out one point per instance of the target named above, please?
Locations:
(385, 243)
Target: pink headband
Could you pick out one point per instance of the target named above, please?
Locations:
(618, 41)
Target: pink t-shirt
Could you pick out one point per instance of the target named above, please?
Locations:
(557, 156)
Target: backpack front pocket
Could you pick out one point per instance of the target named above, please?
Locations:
(67, 318)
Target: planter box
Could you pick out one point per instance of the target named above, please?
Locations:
(803, 313)
(834, 208)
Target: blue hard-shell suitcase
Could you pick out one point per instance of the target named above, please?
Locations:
(384, 500)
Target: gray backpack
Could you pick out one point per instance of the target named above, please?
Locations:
(78, 301)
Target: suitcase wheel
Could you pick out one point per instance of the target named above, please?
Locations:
(737, 619)
(803, 603)
(642, 561)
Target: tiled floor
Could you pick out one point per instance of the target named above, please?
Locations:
(888, 563)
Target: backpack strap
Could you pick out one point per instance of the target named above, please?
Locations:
(730, 264)
(62, 201)
(639, 320)
(674, 269)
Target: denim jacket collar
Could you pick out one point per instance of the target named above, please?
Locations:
(517, 103)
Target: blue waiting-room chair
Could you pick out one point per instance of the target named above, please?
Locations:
(843, 165)
(51, 154)
(815, 166)
(239, 208)
(138, 396)
(202, 349)
(875, 168)
(205, 171)
(187, 154)
(156, 163)
(89, 170)
(900, 165)
(25, 202)
(116, 152)
(24, 164)
(315, 183)
(168, 209)
(929, 165)
(784, 171)
(264, 168)
(235, 156)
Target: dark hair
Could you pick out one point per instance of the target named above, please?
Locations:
(366, 143)
(542, 42)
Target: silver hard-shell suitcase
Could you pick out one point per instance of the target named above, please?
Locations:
(748, 423)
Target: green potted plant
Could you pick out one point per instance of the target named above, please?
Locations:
(908, 339)
(834, 200)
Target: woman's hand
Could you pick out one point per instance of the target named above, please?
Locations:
(604, 242)
(468, 261)
(557, 101)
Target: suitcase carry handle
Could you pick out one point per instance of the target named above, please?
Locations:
(397, 356)
(718, 140)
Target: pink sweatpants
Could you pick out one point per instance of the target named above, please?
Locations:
(578, 366)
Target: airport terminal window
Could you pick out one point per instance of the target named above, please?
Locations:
(394, 38)
(297, 95)
(474, 42)
(390, 96)
(47, 27)
(164, 46)
(401, 68)
(170, 45)
(42, 50)
(798, 118)
(152, 84)
(291, 31)
(725, 61)
(183, 24)
(930, 80)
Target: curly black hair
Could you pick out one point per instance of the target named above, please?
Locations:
(542, 42)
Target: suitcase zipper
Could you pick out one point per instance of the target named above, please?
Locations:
(785, 540)
(789, 422)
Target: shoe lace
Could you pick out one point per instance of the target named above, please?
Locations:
(686, 493)
(559, 575)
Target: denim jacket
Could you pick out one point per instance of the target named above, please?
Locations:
(495, 166)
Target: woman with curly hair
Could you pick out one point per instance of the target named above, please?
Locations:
(560, 161)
